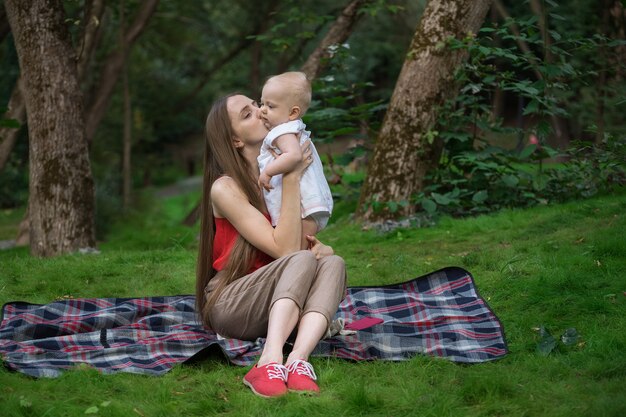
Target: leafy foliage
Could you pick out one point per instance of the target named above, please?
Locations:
(476, 176)
(338, 107)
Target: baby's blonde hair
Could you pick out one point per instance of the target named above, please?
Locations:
(299, 88)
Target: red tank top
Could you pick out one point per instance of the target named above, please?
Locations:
(225, 237)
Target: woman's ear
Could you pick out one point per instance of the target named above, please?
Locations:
(294, 113)
(237, 142)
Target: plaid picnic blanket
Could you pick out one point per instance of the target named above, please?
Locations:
(438, 314)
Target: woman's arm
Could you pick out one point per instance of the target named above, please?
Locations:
(230, 202)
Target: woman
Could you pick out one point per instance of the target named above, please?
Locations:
(241, 291)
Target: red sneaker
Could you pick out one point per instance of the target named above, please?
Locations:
(301, 377)
(267, 380)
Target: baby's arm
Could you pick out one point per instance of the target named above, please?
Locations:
(290, 156)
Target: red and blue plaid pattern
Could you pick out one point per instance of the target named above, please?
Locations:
(439, 314)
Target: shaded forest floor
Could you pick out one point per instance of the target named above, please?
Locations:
(559, 266)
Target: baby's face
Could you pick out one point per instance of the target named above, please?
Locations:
(275, 106)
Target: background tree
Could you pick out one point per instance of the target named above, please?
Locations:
(114, 66)
(337, 34)
(61, 203)
(16, 112)
(405, 149)
(188, 53)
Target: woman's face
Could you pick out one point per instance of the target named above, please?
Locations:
(245, 117)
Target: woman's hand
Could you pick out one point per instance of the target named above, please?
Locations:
(307, 158)
(319, 249)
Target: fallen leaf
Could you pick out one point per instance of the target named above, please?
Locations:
(92, 410)
(139, 412)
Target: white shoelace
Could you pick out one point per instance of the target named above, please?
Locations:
(301, 367)
(276, 371)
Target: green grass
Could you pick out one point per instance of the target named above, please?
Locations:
(9, 222)
(559, 266)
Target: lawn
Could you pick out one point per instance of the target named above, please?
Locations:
(558, 266)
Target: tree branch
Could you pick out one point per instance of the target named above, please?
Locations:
(113, 68)
(92, 26)
(532, 58)
(338, 33)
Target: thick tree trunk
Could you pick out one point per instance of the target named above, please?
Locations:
(337, 34)
(61, 200)
(8, 135)
(404, 149)
(113, 68)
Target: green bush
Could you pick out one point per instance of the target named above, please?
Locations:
(474, 176)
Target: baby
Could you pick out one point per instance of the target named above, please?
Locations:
(284, 100)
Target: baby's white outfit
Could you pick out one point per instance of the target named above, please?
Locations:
(316, 199)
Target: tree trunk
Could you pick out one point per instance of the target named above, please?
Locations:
(126, 149)
(541, 14)
(404, 149)
(337, 34)
(532, 59)
(92, 27)
(559, 125)
(618, 18)
(8, 135)
(255, 67)
(602, 76)
(5, 29)
(113, 68)
(61, 194)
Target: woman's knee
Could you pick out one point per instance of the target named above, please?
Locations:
(305, 258)
(334, 262)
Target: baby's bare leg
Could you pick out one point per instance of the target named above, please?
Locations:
(309, 227)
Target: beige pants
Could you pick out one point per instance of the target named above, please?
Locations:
(243, 308)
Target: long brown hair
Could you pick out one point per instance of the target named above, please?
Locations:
(221, 158)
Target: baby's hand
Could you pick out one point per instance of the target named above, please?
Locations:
(264, 181)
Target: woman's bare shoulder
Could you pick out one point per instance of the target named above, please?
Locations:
(223, 185)
(225, 191)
